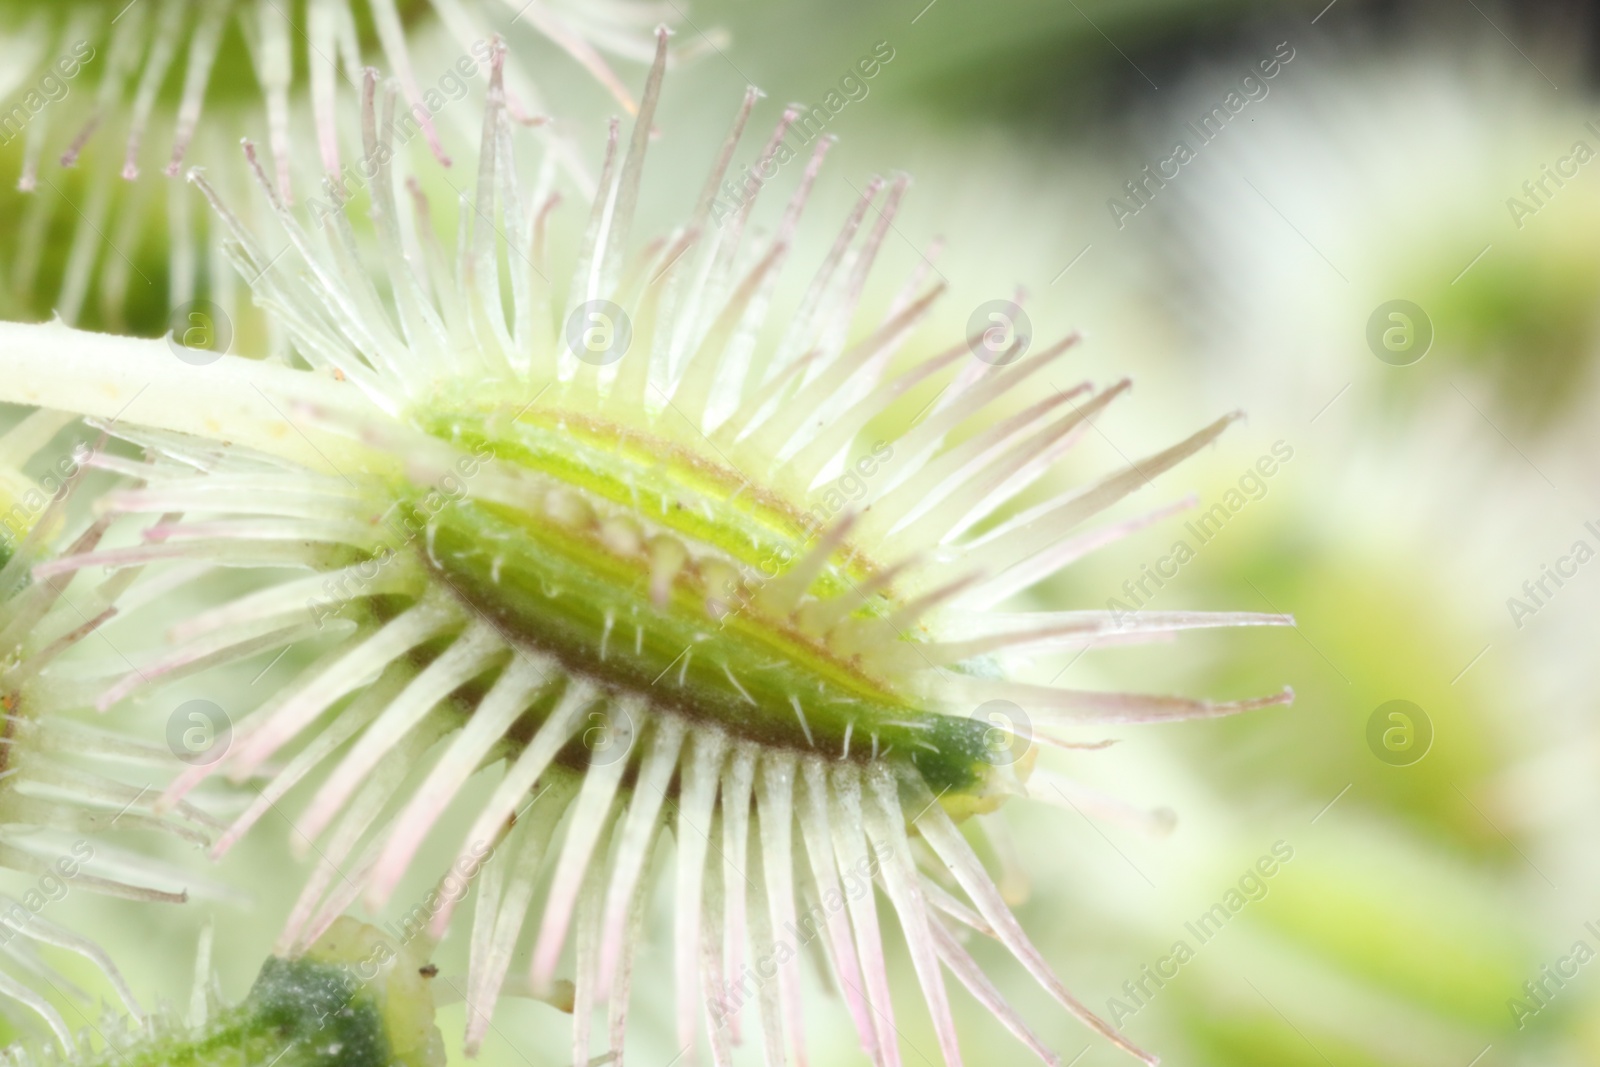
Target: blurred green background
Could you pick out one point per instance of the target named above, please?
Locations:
(1384, 161)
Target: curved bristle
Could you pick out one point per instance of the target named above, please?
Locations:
(151, 85)
(61, 791)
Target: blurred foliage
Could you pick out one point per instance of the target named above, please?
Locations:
(1525, 317)
(52, 221)
(1367, 634)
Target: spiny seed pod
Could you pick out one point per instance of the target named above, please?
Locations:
(607, 548)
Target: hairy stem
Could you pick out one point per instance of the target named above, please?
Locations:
(142, 382)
